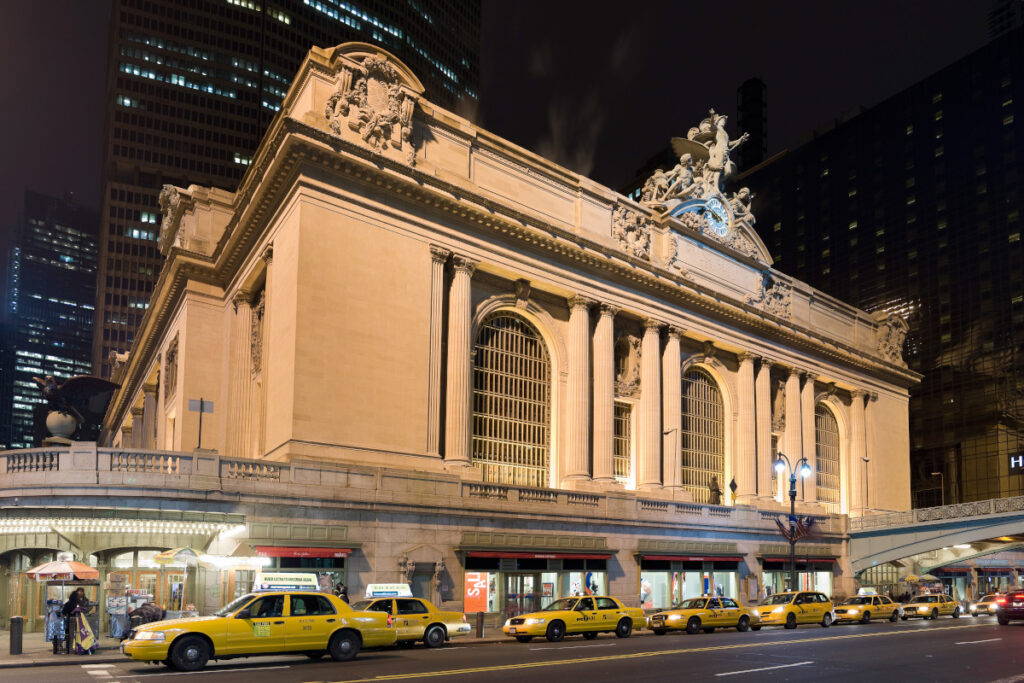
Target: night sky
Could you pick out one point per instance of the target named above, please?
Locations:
(597, 86)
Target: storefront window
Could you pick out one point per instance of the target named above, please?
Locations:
(775, 579)
(665, 583)
(146, 558)
(531, 585)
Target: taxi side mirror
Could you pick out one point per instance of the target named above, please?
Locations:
(244, 614)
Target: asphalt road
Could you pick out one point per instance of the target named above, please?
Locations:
(975, 650)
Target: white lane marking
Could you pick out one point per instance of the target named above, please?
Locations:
(98, 666)
(446, 649)
(573, 647)
(766, 668)
(972, 642)
(212, 671)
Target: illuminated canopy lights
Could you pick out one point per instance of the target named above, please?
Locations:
(124, 526)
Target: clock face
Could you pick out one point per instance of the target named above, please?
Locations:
(717, 216)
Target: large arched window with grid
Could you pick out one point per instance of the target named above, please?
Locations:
(826, 454)
(511, 403)
(702, 439)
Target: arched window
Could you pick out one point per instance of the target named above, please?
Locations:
(511, 403)
(826, 453)
(702, 439)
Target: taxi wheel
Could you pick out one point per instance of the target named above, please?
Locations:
(1003, 621)
(524, 639)
(344, 646)
(660, 631)
(956, 613)
(590, 635)
(743, 625)
(935, 613)
(826, 620)
(189, 654)
(623, 628)
(693, 625)
(556, 632)
(790, 620)
(866, 619)
(904, 617)
(434, 637)
(895, 617)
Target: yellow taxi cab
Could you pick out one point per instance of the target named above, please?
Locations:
(588, 615)
(707, 614)
(863, 608)
(275, 622)
(931, 607)
(796, 607)
(985, 607)
(418, 619)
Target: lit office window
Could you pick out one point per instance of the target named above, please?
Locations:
(703, 434)
(511, 403)
(826, 442)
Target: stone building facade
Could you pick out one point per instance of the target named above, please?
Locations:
(492, 377)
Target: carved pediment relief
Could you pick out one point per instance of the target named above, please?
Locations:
(632, 230)
(775, 297)
(375, 98)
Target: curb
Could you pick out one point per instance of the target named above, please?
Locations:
(63, 660)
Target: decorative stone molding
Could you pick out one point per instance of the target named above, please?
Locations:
(256, 333)
(268, 254)
(632, 231)
(439, 254)
(172, 207)
(892, 331)
(676, 331)
(709, 352)
(627, 363)
(370, 100)
(663, 546)
(779, 407)
(523, 290)
(499, 540)
(776, 297)
(463, 264)
(171, 367)
(578, 301)
(609, 309)
(242, 296)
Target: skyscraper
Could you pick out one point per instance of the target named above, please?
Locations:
(192, 87)
(914, 207)
(752, 119)
(50, 294)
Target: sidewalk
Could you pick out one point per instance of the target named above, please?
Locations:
(38, 652)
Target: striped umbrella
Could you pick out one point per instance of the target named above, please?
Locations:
(62, 570)
(185, 555)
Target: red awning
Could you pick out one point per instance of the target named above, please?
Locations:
(288, 551)
(540, 555)
(802, 560)
(694, 558)
(952, 570)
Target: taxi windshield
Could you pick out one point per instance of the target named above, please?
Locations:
(233, 606)
(858, 601)
(693, 603)
(779, 599)
(988, 598)
(927, 598)
(361, 605)
(564, 603)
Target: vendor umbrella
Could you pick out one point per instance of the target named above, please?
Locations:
(186, 556)
(910, 578)
(62, 570)
(929, 577)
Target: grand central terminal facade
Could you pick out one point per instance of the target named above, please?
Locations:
(435, 357)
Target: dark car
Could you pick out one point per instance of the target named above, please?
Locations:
(1010, 606)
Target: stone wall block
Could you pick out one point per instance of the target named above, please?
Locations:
(306, 475)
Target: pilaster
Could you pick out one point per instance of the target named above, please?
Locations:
(649, 437)
(793, 434)
(438, 257)
(459, 384)
(604, 394)
(810, 484)
(577, 448)
(857, 466)
(763, 409)
(672, 410)
(746, 441)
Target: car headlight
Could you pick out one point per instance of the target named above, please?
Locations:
(534, 622)
(779, 610)
(508, 622)
(155, 636)
(973, 606)
(675, 617)
(922, 608)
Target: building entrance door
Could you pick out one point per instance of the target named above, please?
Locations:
(522, 594)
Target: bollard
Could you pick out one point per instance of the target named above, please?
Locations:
(479, 624)
(17, 624)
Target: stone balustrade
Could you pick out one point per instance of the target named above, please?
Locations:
(936, 514)
(169, 474)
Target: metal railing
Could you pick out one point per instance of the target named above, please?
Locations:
(937, 514)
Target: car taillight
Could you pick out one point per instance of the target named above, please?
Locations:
(389, 621)
(464, 620)
(1000, 601)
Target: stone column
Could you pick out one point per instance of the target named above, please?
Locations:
(672, 408)
(649, 438)
(438, 256)
(746, 432)
(263, 392)
(459, 386)
(577, 465)
(810, 490)
(857, 501)
(763, 406)
(793, 434)
(137, 428)
(149, 416)
(604, 394)
(241, 379)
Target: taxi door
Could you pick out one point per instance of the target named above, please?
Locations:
(948, 605)
(311, 620)
(412, 618)
(807, 608)
(713, 616)
(607, 612)
(586, 617)
(730, 612)
(264, 629)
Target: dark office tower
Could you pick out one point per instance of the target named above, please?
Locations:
(752, 118)
(51, 289)
(192, 87)
(1005, 15)
(914, 206)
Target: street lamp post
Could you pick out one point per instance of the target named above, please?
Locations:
(864, 504)
(942, 486)
(804, 468)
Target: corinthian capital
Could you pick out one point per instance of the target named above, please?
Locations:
(439, 254)
(463, 264)
(578, 301)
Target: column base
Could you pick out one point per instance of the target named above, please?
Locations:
(651, 488)
(464, 470)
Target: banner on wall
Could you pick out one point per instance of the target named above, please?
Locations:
(476, 597)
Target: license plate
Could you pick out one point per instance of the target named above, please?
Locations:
(1018, 604)
(511, 629)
